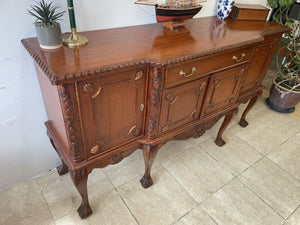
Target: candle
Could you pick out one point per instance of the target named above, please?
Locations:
(71, 14)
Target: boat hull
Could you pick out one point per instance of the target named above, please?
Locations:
(166, 14)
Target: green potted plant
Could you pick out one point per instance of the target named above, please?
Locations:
(285, 91)
(47, 28)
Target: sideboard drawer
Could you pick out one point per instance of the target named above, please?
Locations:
(198, 68)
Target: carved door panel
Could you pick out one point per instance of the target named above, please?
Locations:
(112, 109)
(182, 104)
(259, 64)
(223, 90)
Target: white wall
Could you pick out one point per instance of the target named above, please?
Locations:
(25, 150)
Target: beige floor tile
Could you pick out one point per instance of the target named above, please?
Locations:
(294, 219)
(296, 113)
(129, 168)
(235, 204)
(173, 148)
(198, 173)
(163, 203)
(284, 123)
(258, 106)
(24, 204)
(196, 217)
(287, 156)
(62, 196)
(108, 209)
(235, 155)
(276, 187)
(260, 136)
(296, 138)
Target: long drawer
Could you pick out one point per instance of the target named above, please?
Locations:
(198, 68)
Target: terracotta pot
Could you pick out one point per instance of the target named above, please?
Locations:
(282, 102)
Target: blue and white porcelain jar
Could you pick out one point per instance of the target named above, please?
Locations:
(224, 8)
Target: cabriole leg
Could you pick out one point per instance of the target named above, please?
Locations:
(63, 168)
(149, 153)
(228, 117)
(79, 178)
(243, 122)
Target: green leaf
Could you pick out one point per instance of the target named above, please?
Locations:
(46, 13)
(283, 2)
(291, 2)
(273, 3)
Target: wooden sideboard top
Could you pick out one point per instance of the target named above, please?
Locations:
(118, 48)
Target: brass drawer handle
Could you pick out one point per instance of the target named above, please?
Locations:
(238, 60)
(182, 73)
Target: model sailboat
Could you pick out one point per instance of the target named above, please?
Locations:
(173, 10)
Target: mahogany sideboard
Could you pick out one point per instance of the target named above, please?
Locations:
(138, 87)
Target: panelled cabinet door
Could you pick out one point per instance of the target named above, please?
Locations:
(182, 104)
(223, 90)
(112, 110)
(259, 64)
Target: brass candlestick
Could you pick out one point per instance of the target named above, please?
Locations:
(74, 40)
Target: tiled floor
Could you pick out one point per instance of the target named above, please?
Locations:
(253, 180)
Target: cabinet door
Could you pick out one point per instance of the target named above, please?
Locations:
(223, 90)
(182, 104)
(112, 110)
(260, 63)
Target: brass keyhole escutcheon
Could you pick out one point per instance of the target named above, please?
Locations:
(142, 107)
(95, 149)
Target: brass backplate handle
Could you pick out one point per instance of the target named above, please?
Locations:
(182, 73)
(238, 60)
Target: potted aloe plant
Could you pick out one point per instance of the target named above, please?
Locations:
(285, 91)
(47, 28)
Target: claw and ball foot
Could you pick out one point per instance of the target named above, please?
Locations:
(146, 182)
(79, 178)
(84, 211)
(62, 169)
(220, 142)
(243, 123)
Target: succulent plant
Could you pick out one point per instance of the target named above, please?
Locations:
(45, 13)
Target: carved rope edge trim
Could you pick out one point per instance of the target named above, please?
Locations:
(74, 76)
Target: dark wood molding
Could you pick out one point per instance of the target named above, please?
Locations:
(155, 90)
(72, 121)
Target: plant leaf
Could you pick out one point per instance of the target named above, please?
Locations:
(46, 13)
(273, 3)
